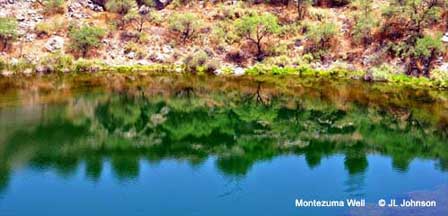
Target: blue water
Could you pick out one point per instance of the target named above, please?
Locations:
(207, 153)
(173, 187)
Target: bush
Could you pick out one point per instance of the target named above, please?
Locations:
(235, 11)
(320, 38)
(331, 3)
(85, 38)
(54, 7)
(55, 25)
(136, 48)
(365, 22)
(121, 7)
(84, 65)
(138, 17)
(280, 49)
(319, 14)
(223, 33)
(383, 72)
(303, 60)
(291, 29)
(200, 62)
(58, 61)
(8, 31)
(425, 53)
(427, 46)
(3, 64)
(280, 61)
(236, 56)
(186, 25)
(441, 76)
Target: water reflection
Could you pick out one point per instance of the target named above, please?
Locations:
(239, 129)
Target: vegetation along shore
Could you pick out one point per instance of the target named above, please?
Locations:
(400, 42)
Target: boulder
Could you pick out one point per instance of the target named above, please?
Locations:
(7, 73)
(238, 71)
(28, 71)
(445, 38)
(40, 69)
(444, 67)
(54, 43)
(144, 10)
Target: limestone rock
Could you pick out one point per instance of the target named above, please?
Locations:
(7, 73)
(445, 38)
(238, 71)
(54, 43)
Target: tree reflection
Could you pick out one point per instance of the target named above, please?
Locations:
(238, 130)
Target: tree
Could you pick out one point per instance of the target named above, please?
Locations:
(85, 38)
(186, 25)
(422, 12)
(122, 7)
(413, 16)
(257, 27)
(406, 22)
(8, 31)
(302, 7)
(52, 6)
(319, 38)
(423, 55)
(139, 17)
(365, 22)
(331, 3)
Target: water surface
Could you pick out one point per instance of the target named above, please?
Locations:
(199, 147)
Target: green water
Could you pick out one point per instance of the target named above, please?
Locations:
(202, 147)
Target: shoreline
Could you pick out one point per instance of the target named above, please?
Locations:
(304, 71)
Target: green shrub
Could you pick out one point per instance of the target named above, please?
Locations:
(322, 33)
(3, 64)
(384, 72)
(200, 62)
(420, 55)
(280, 48)
(127, 9)
(85, 38)
(235, 11)
(55, 25)
(54, 7)
(85, 65)
(319, 14)
(136, 48)
(427, 46)
(121, 7)
(186, 25)
(365, 22)
(58, 61)
(21, 65)
(320, 38)
(291, 29)
(143, 38)
(8, 31)
(280, 61)
(138, 17)
(439, 75)
(305, 59)
(223, 33)
(262, 69)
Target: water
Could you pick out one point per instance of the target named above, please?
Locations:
(198, 149)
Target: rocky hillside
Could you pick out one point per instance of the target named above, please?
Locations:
(380, 37)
